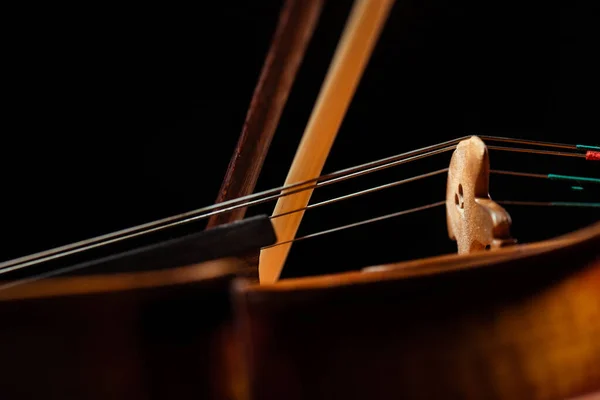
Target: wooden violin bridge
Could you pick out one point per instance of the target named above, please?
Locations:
(473, 219)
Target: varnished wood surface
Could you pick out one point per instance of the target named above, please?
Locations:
(524, 326)
(126, 281)
(142, 329)
(122, 337)
(294, 30)
(50, 369)
(362, 29)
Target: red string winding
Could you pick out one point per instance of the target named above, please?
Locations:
(592, 155)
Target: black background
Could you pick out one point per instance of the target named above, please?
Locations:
(115, 117)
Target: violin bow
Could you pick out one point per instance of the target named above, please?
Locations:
(360, 35)
(297, 21)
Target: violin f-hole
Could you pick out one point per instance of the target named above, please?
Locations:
(474, 220)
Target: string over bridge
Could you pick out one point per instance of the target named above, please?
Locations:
(474, 220)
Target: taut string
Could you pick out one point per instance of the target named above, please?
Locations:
(363, 192)
(535, 151)
(365, 222)
(429, 206)
(81, 266)
(550, 203)
(273, 194)
(553, 177)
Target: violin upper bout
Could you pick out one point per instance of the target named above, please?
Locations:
(474, 220)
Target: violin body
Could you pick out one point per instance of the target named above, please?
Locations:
(183, 319)
(151, 325)
(519, 323)
(167, 340)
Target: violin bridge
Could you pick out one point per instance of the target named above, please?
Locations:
(473, 219)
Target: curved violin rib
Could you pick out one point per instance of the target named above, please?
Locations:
(518, 323)
(474, 220)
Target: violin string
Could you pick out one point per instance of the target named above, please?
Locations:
(555, 177)
(363, 192)
(84, 265)
(533, 142)
(206, 212)
(428, 206)
(335, 178)
(422, 176)
(364, 222)
(515, 173)
(549, 203)
(535, 151)
(60, 271)
(56, 272)
(586, 147)
(265, 196)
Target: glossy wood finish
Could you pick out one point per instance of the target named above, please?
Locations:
(120, 337)
(361, 32)
(519, 323)
(142, 329)
(295, 28)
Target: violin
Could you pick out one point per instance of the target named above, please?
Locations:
(181, 318)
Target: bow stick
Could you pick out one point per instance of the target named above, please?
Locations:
(362, 30)
(296, 25)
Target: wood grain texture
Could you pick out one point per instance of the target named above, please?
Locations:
(352, 54)
(145, 328)
(522, 326)
(129, 339)
(296, 25)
